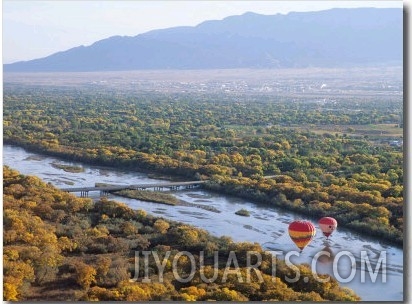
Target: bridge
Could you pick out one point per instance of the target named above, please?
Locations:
(106, 189)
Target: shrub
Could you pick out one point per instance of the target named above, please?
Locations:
(243, 212)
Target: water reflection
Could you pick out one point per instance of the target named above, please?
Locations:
(326, 255)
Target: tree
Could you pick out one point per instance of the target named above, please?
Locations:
(225, 294)
(185, 235)
(85, 275)
(102, 267)
(128, 228)
(161, 226)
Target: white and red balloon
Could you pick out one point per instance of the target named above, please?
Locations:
(328, 225)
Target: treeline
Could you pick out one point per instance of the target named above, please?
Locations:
(234, 141)
(355, 210)
(60, 247)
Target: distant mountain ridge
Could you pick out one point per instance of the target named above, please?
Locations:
(330, 38)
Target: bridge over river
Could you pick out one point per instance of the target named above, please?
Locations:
(106, 189)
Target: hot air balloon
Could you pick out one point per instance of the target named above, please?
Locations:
(328, 225)
(301, 233)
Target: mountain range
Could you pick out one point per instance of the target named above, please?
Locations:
(330, 38)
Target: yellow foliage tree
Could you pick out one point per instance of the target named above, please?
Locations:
(161, 226)
(85, 275)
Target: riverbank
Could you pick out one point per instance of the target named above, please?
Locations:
(280, 201)
(90, 254)
(232, 186)
(266, 225)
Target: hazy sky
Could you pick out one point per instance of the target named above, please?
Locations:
(34, 29)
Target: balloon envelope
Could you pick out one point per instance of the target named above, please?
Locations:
(301, 233)
(328, 225)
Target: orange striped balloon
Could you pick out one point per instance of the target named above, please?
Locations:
(328, 225)
(301, 233)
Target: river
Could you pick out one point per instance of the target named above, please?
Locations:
(267, 226)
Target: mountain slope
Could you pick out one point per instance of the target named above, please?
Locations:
(336, 37)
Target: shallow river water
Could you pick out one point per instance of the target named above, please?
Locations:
(267, 226)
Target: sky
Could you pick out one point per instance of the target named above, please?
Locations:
(35, 29)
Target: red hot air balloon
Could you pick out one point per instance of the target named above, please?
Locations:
(301, 233)
(328, 225)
